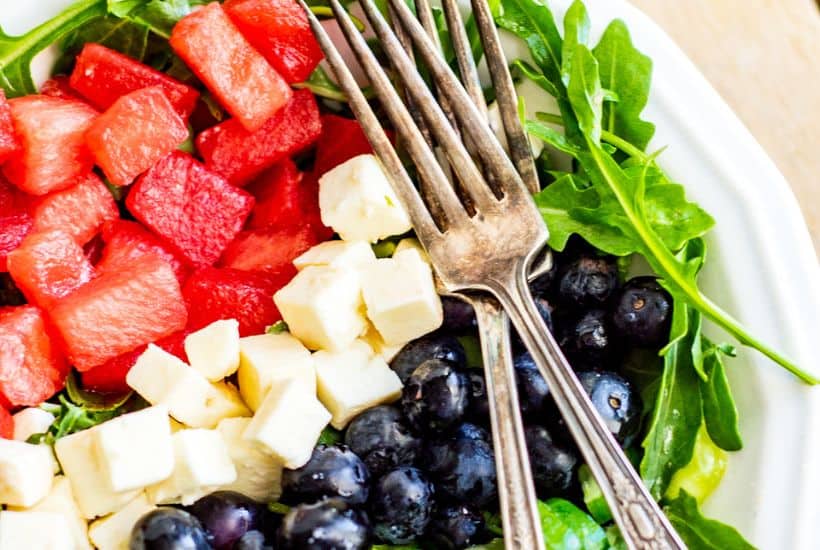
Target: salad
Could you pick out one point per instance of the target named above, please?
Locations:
(218, 331)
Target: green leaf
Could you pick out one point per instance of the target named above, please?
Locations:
(72, 417)
(330, 436)
(530, 72)
(628, 73)
(700, 533)
(17, 52)
(704, 472)
(492, 522)
(277, 328)
(92, 401)
(278, 508)
(566, 526)
(118, 34)
(385, 248)
(719, 409)
(615, 539)
(159, 16)
(585, 93)
(576, 31)
(472, 349)
(533, 22)
(494, 544)
(593, 496)
(320, 83)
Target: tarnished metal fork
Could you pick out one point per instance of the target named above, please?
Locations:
(490, 251)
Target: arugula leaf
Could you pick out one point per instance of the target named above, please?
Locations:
(593, 496)
(700, 533)
(628, 73)
(320, 83)
(576, 31)
(71, 418)
(277, 328)
(278, 508)
(704, 472)
(330, 436)
(566, 526)
(719, 409)
(115, 33)
(91, 401)
(159, 16)
(17, 52)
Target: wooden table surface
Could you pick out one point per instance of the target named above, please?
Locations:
(763, 57)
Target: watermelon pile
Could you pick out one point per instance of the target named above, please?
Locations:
(191, 237)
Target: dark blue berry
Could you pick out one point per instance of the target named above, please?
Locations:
(168, 529)
(226, 517)
(332, 471)
(533, 392)
(459, 316)
(553, 466)
(382, 438)
(588, 281)
(330, 524)
(616, 401)
(463, 466)
(433, 346)
(401, 505)
(454, 527)
(642, 312)
(435, 396)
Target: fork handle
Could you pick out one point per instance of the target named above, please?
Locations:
(519, 512)
(642, 524)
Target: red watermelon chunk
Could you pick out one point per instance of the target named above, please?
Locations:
(240, 155)
(190, 207)
(59, 86)
(240, 78)
(80, 210)
(212, 294)
(48, 266)
(15, 219)
(32, 369)
(6, 424)
(134, 133)
(278, 194)
(279, 29)
(52, 135)
(126, 241)
(272, 250)
(119, 311)
(8, 137)
(342, 139)
(103, 75)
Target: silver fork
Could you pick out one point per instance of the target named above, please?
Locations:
(491, 251)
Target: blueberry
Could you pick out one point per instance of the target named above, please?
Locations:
(533, 392)
(401, 505)
(616, 401)
(542, 285)
(330, 524)
(332, 471)
(168, 529)
(433, 346)
(459, 316)
(226, 516)
(435, 396)
(455, 527)
(588, 281)
(642, 312)
(463, 466)
(479, 407)
(587, 341)
(252, 540)
(382, 438)
(552, 465)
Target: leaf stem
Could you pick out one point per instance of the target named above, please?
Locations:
(606, 135)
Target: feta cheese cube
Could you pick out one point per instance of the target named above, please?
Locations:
(401, 298)
(355, 254)
(288, 423)
(30, 421)
(258, 472)
(161, 378)
(353, 380)
(61, 501)
(135, 449)
(267, 359)
(380, 347)
(201, 462)
(26, 472)
(412, 245)
(34, 531)
(113, 532)
(213, 351)
(358, 202)
(323, 307)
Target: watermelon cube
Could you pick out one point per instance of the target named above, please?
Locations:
(52, 135)
(212, 294)
(102, 76)
(134, 133)
(240, 78)
(32, 368)
(278, 194)
(126, 241)
(190, 207)
(239, 155)
(15, 219)
(119, 311)
(6, 424)
(272, 250)
(59, 86)
(342, 139)
(8, 137)
(279, 29)
(48, 266)
(80, 210)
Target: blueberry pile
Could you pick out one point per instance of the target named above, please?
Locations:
(422, 470)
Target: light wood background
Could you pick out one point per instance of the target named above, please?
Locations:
(763, 57)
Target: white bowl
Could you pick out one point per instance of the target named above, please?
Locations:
(762, 268)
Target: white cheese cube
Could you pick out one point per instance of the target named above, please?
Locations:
(267, 359)
(26, 472)
(30, 421)
(288, 423)
(78, 458)
(258, 472)
(355, 254)
(61, 501)
(414, 246)
(358, 202)
(201, 462)
(213, 351)
(323, 307)
(401, 298)
(34, 531)
(113, 532)
(161, 378)
(135, 449)
(380, 347)
(353, 380)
